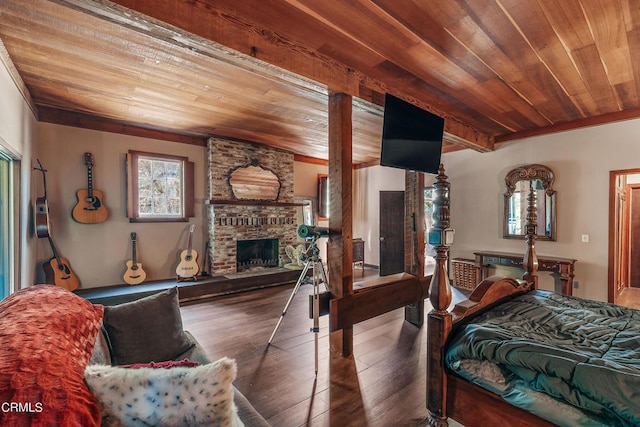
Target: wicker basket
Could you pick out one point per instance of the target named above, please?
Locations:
(464, 273)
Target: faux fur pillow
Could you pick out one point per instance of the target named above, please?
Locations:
(180, 396)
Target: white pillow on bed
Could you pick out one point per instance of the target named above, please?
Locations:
(179, 396)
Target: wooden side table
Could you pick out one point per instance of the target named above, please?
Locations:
(564, 267)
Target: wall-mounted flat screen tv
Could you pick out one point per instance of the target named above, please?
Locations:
(411, 137)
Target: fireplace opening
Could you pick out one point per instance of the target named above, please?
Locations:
(258, 253)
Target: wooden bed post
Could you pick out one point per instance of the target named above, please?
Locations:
(530, 261)
(439, 320)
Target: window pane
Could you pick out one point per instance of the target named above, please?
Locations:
(172, 170)
(159, 189)
(144, 188)
(159, 206)
(173, 206)
(145, 205)
(173, 188)
(158, 169)
(144, 169)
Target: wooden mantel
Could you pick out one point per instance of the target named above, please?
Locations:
(252, 203)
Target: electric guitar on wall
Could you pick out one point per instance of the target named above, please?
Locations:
(90, 208)
(58, 270)
(134, 274)
(188, 267)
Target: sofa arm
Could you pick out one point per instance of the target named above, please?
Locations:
(247, 413)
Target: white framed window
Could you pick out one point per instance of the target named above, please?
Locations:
(159, 187)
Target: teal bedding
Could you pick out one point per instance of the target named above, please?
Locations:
(584, 354)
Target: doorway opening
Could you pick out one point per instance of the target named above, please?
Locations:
(624, 237)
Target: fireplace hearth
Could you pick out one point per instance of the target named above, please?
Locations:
(257, 253)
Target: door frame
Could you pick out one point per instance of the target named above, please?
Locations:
(614, 239)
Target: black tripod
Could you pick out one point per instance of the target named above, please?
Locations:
(313, 261)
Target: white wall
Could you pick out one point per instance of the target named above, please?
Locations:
(17, 129)
(98, 252)
(305, 178)
(581, 160)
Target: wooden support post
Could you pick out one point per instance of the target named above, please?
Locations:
(414, 239)
(340, 213)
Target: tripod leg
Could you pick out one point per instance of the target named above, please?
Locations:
(293, 293)
(316, 311)
(324, 276)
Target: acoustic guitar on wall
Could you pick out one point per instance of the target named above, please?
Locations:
(90, 208)
(188, 267)
(58, 270)
(134, 274)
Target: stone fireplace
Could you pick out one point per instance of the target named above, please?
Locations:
(232, 221)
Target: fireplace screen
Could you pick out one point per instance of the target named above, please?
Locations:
(259, 253)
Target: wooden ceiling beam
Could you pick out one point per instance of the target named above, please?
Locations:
(574, 124)
(222, 25)
(87, 121)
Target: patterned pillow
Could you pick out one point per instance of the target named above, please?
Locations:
(46, 337)
(180, 396)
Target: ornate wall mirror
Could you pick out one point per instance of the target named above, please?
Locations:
(521, 182)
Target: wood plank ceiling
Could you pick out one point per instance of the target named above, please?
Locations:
(261, 70)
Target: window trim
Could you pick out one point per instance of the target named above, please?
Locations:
(133, 187)
(11, 226)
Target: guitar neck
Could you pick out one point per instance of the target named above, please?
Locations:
(134, 258)
(190, 242)
(44, 177)
(55, 251)
(89, 181)
(134, 252)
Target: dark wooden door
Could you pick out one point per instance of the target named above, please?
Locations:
(391, 232)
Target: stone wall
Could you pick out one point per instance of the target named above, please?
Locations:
(231, 220)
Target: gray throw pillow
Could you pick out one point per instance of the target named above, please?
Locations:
(146, 330)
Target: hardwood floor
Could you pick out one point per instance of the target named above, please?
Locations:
(382, 385)
(630, 297)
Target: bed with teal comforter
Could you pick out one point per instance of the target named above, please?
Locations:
(571, 361)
